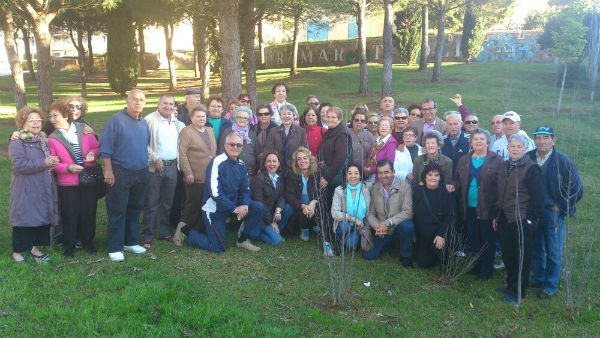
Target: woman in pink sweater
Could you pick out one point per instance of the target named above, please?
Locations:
(383, 148)
(77, 203)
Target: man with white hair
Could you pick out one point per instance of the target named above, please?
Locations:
(456, 143)
(511, 124)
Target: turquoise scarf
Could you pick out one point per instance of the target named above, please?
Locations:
(357, 206)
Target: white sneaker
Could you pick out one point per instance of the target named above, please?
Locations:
(499, 266)
(116, 256)
(247, 245)
(135, 249)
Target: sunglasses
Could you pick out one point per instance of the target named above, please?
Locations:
(245, 101)
(72, 106)
(235, 145)
(400, 117)
(472, 122)
(372, 123)
(316, 103)
(263, 114)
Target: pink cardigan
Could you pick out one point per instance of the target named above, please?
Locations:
(88, 143)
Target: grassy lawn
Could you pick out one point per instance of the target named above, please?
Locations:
(284, 291)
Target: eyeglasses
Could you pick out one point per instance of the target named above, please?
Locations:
(400, 117)
(415, 114)
(315, 103)
(72, 106)
(408, 135)
(472, 122)
(428, 109)
(35, 120)
(496, 122)
(372, 123)
(359, 120)
(243, 118)
(245, 101)
(263, 114)
(235, 145)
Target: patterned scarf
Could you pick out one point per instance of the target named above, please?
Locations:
(40, 139)
(243, 132)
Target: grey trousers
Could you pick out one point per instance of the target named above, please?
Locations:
(161, 190)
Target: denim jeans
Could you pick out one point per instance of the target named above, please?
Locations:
(546, 257)
(214, 237)
(268, 235)
(347, 236)
(403, 234)
(124, 202)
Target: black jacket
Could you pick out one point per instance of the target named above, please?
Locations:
(461, 148)
(271, 197)
(293, 189)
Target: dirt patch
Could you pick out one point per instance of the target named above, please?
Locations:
(444, 80)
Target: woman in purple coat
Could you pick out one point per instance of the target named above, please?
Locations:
(33, 198)
(383, 148)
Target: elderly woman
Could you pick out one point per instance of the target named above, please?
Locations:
(241, 126)
(268, 189)
(311, 122)
(246, 100)
(76, 150)
(414, 113)
(214, 119)
(286, 138)
(406, 154)
(362, 139)
(197, 146)
(302, 190)
(33, 198)
(384, 147)
(475, 180)
(349, 208)
(263, 127)
(373, 124)
(432, 154)
(280, 92)
(433, 215)
(519, 209)
(400, 123)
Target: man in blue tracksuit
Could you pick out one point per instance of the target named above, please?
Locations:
(562, 189)
(226, 193)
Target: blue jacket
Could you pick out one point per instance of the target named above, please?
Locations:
(226, 185)
(461, 148)
(562, 181)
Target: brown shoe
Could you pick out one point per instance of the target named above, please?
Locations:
(247, 245)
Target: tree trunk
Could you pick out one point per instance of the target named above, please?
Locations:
(439, 48)
(27, 40)
(80, 58)
(594, 59)
(168, 29)
(231, 72)
(43, 39)
(247, 36)
(204, 57)
(140, 30)
(363, 86)
(386, 85)
(195, 21)
(424, 38)
(260, 44)
(294, 65)
(90, 63)
(12, 53)
(562, 88)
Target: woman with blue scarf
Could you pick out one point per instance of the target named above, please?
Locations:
(349, 208)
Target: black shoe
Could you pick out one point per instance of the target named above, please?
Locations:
(91, 250)
(79, 244)
(406, 262)
(68, 254)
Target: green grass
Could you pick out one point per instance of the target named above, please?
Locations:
(283, 291)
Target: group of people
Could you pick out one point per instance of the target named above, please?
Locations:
(401, 177)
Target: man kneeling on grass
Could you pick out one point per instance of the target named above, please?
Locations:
(226, 192)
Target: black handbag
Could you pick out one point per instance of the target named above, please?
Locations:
(91, 176)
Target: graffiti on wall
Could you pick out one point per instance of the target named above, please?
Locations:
(508, 47)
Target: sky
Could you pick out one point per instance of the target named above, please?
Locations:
(524, 7)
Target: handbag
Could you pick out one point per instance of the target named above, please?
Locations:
(91, 176)
(366, 238)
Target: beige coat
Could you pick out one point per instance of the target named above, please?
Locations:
(397, 209)
(194, 155)
(338, 205)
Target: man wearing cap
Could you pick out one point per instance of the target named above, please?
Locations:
(193, 97)
(429, 121)
(511, 124)
(562, 189)
(162, 157)
(387, 106)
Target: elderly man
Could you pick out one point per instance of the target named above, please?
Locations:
(386, 105)
(456, 143)
(511, 124)
(124, 150)
(226, 194)
(193, 97)
(562, 188)
(162, 155)
(400, 123)
(390, 214)
(429, 121)
(362, 139)
(496, 129)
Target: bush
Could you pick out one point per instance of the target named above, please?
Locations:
(122, 64)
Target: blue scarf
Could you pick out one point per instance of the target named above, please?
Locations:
(357, 206)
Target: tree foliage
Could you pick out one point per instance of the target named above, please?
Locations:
(555, 23)
(568, 43)
(408, 31)
(472, 36)
(122, 60)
